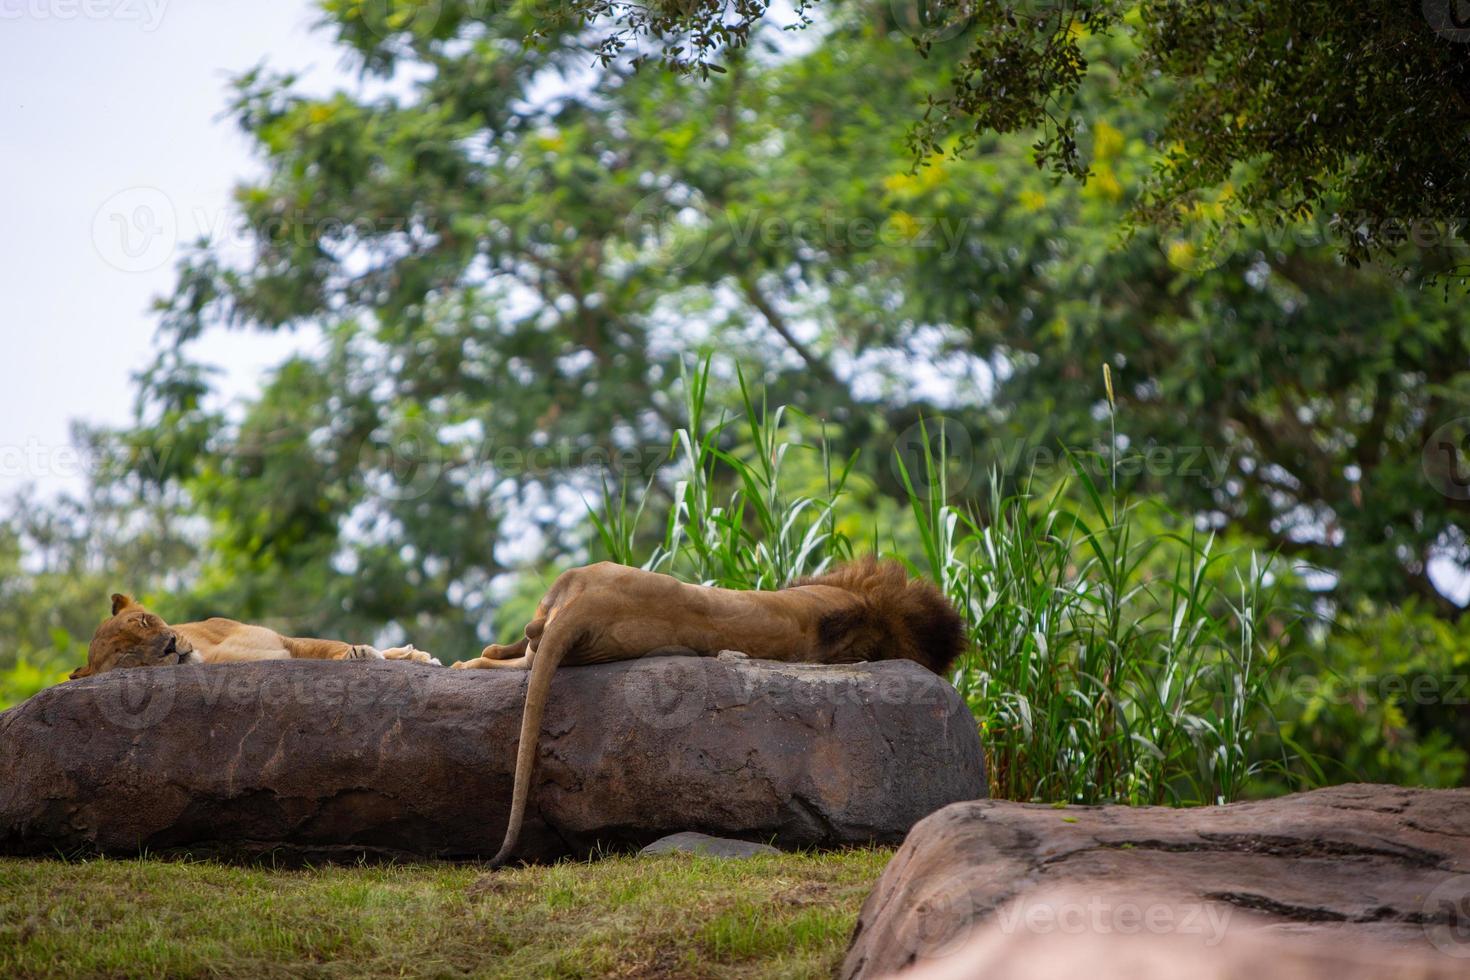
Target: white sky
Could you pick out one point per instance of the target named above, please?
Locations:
(101, 98)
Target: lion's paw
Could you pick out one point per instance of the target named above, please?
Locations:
(412, 654)
(732, 656)
(361, 651)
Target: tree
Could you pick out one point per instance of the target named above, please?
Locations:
(1359, 111)
(511, 255)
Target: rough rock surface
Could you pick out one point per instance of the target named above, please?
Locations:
(1066, 940)
(321, 760)
(1355, 872)
(704, 845)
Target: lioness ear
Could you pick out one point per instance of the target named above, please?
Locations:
(85, 670)
(120, 602)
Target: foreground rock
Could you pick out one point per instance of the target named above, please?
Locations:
(1065, 940)
(1337, 882)
(326, 760)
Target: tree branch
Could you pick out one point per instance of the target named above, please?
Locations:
(778, 324)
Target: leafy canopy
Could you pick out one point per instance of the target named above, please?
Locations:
(1359, 112)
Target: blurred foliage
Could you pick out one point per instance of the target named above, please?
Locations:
(1388, 702)
(61, 560)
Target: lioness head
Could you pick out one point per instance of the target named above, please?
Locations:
(133, 637)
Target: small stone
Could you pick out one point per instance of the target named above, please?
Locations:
(704, 845)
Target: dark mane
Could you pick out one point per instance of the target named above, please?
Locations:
(899, 617)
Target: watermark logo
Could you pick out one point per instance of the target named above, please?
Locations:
(1205, 247)
(945, 443)
(666, 694)
(135, 699)
(406, 464)
(941, 922)
(931, 21)
(1446, 459)
(136, 230)
(1447, 917)
(675, 232)
(1450, 19)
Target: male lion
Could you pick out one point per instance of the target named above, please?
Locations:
(867, 610)
(135, 637)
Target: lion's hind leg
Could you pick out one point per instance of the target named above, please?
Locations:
(502, 651)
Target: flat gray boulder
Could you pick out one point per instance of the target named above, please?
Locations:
(336, 760)
(1305, 885)
(704, 845)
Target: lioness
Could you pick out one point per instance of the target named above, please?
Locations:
(135, 637)
(867, 610)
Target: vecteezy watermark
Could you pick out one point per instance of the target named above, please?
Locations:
(1421, 690)
(678, 227)
(146, 13)
(402, 460)
(36, 459)
(144, 697)
(675, 692)
(1450, 19)
(1199, 246)
(139, 229)
(940, 440)
(1446, 459)
(1070, 915)
(1446, 916)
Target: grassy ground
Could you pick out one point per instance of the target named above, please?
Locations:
(786, 916)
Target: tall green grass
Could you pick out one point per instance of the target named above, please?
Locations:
(1110, 662)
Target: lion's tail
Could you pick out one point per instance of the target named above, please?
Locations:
(899, 617)
(547, 658)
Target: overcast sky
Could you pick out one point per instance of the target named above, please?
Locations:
(113, 149)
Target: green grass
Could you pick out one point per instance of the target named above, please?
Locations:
(1118, 656)
(677, 916)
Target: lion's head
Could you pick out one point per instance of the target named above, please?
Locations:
(133, 637)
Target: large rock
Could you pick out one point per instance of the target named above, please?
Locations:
(1353, 872)
(322, 760)
(1078, 932)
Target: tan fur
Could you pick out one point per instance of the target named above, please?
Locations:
(868, 610)
(134, 637)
